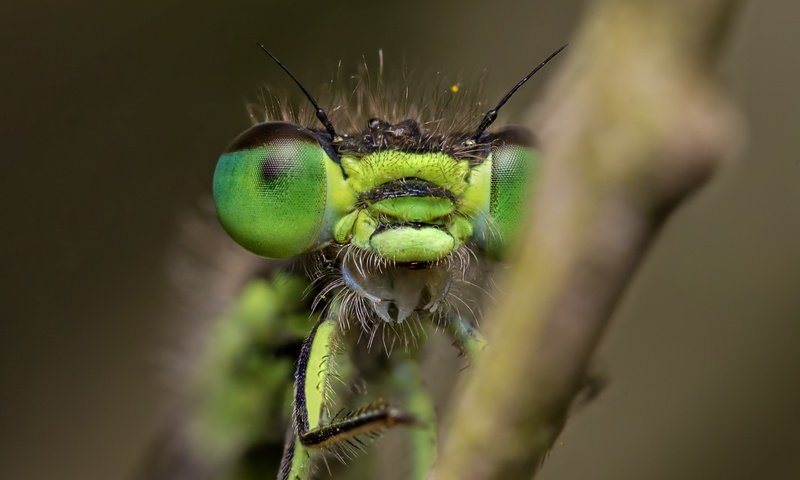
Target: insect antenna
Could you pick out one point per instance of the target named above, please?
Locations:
(491, 115)
(321, 115)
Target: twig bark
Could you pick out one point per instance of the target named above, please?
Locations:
(633, 125)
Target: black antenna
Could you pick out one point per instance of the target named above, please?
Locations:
(491, 115)
(321, 115)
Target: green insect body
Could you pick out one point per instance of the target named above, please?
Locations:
(385, 225)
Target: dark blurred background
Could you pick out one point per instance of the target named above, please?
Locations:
(113, 114)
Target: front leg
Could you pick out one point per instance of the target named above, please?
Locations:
(407, 382)
(466, 337)
(312, 399)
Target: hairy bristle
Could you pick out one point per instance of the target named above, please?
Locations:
(467, 272)
(446, 109)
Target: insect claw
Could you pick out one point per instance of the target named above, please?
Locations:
(399, 417)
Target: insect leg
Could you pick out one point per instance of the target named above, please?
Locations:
(407, 381)
(310, 396)
(312, 402)
(311, 388)
(466, 337)
(296, 461)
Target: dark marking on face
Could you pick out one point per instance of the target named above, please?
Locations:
(408, 136)
(405, 129)
(382, 227)
(407, 187)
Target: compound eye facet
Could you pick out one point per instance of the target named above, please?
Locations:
(514, 160)
(270, 189)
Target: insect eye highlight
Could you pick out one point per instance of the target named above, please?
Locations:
(270, 189)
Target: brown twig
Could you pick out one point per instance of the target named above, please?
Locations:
(633, 125)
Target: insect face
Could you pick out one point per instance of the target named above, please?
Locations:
(282, 190)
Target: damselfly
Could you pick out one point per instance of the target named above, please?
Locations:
(391, 226)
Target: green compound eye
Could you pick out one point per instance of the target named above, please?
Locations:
(514, 162)
(270, 189)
